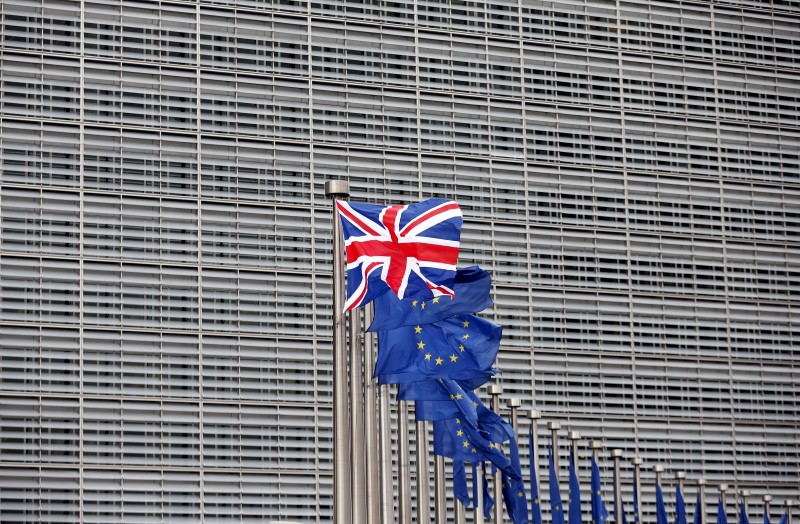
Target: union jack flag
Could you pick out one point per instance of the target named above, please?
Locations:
(410, 249)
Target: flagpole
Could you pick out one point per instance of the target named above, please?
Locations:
(370, 424)
(440, 497)
(744, 494)
(554, 426)
(679, 477)
(514, 404)
(574, 437)
(658, 469)
(789, 504)
(637, 465)
(534, 415)
(385, 449)
(496, 390)
(357, 447)
(477, 480)
(767, 500)
(701, 489)
(404, 479)
(723, 488)
(617, 455)
(342, 512)
(596, 445)
(460, 514)
(423, 480)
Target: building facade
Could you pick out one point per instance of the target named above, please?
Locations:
(629, 172)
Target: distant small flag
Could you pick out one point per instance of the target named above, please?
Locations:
(680, 507)
(599, 511)
(574, 516)
(722, 518)
(743, 514)
(410, 249)
(661, 510)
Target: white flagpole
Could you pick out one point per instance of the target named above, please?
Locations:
(370, 424)
(404, 475)
(357, 448)
(423, 472)
(342, 512)
(385, 448)
(496, 390)
(439, 489)
(701, 488)
(617, 455)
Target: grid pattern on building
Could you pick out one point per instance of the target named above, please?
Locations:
(629, 172)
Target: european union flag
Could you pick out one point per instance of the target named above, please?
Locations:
(599, 511)
(784, 518)
(680, 507)
(461, 347)
(451, 401)
(698, 518)
(488, 500)
(536, 507)
(722, 518)
(472, 286)
(574, 493)
(514, 489)
(460, 440)
(460, 490)
(743, 514)
(661, 510)
(556, 506)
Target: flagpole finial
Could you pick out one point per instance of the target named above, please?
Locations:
(574, 435)
(789, 503)
(658, 468)
(680, 475)
(534, 414)
(701, 482)
(723, 488)
(745, 493)
(495, 389)
(637, 461)
(617, 453)
(337, 188)
(596, 444)
(554, 424)
(515, 402)
(767, 498)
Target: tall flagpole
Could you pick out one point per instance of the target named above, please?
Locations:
(403, 461)
(535, 415)
(357, 448)
(477, 480)
(514, 403)
(342, 511)
(496, 390)
(370, 424)
(767, 500)
(423, 475)
(574, 437)
(554, 426)
(789, 507)
(617, 455)
(637, 466)
(701, 490)
(385, 448)
(439, 494)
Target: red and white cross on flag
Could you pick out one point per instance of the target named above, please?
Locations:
(410, 249)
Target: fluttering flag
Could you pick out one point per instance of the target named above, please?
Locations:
(460, 490)
(411, 250)
(461, 347)
(472, 287)
(722, 518)
(514, 489)
(784, 518)
(743, 514)
(698, 517)
(661, 510)
(599, 511)
(460, 440)
(556, 507)
(536, 507)
(574, 516)
(680, 507)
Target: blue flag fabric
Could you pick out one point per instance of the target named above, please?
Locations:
(784, 518)
(514, 489)
(743, 514)
(460, 490)
(472, 286)
(574, 516)
(461, 441)
(698, 518)
(599, 511)
(536, 507)
(461, 347)
(556, 507)
(722, 518)
(636, 516)
(680, 507)
(661, 510)
(411, 250)
(458, 403)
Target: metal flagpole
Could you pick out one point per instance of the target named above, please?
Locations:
(496, 390)
(385, 448)
(404, 479)
(574, 437)
(370, 424)
(680, 476)
(723, 488)
(477, 513)
(744, 494)
(701, 489)
(423, 481)
(767, 500)
(440, 497)
(595, 445)
(460, 515)
(637, 466)
(617, 455)
(342, 512)
(535, 415)
(789, 504)
(514, 404)
(554, 426)
(357, 447)
(658, 469)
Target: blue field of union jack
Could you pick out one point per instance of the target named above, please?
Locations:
(411, 249)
